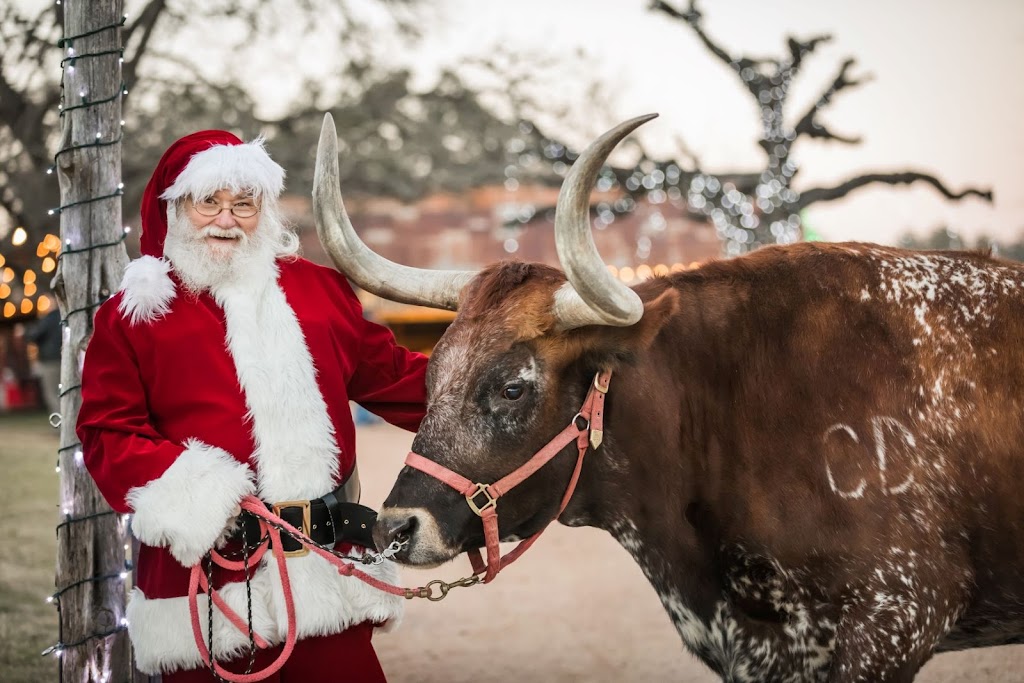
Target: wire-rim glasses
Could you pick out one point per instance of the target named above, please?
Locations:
(210, 207)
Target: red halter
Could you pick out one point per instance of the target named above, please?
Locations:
(591, 433)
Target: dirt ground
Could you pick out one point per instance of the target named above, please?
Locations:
(573, 608)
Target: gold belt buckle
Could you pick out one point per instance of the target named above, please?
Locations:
(304, 504)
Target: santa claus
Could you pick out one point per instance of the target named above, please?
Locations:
(222, 368)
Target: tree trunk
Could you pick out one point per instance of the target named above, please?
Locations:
(91, 539)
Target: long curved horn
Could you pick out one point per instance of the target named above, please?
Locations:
(369, 270)
(596, 297)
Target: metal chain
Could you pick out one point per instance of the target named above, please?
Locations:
(209, 615)
(248, 603)
(209, 611)
(373, 559)
(442, 588)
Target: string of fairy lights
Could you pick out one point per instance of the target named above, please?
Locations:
(52, 251)
(770, 214)
(31, 299)
(653, 193)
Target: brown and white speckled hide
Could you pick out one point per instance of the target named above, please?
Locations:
(814, 452)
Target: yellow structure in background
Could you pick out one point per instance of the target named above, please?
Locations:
(415, 327)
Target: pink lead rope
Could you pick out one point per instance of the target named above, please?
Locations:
(272, 525)
(591, 433)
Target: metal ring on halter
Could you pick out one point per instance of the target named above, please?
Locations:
(485, 490)
(586, 422)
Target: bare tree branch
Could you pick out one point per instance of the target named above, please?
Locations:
(693, 17)
(799, 49)
(816, 130)
(146, 23)
(827, 194)
(12, 102)
(26, 53)
(808, 126)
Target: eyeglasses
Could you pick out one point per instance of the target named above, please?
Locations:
(210, 207)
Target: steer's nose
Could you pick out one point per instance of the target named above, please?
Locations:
(394, 525)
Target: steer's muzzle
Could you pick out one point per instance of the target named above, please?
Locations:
(418, 534)
(392, 527)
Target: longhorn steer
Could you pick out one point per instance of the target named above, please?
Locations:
(814, 452)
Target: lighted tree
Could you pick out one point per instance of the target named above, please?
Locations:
(763, 208)
(748, 209)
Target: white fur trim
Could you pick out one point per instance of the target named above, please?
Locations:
(161, 629)
(147, 290)
(296, 452)
(325, 603)
(188, 507)
(236, 167)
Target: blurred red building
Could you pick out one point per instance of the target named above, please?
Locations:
(472, 229)
(468, 230)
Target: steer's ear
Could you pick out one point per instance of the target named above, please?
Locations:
(622, 342)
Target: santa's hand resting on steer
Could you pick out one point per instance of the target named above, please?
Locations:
(223, 368)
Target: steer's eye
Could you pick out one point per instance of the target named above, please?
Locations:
(513, 392)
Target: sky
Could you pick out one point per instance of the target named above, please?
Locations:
(946, 95)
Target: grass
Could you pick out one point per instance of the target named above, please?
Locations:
(28, 500)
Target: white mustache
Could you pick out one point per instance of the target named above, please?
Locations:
(214, 231)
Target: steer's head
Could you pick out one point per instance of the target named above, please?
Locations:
(513, 367)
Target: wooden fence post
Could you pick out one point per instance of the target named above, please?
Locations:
(91, 566)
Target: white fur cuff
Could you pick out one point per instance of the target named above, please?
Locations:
(188, 507)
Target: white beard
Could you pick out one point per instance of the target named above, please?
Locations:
(203, 265)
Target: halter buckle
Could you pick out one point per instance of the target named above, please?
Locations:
(484, 489)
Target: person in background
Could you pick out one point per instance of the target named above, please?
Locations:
(223, 368)
(46, 334)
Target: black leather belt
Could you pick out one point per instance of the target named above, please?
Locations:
(327, 520)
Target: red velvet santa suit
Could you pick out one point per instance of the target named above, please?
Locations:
(192, 401)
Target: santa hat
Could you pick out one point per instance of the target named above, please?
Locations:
(197, 166)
